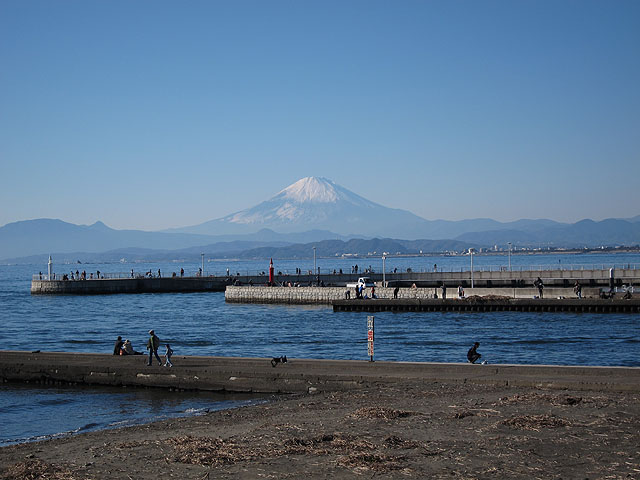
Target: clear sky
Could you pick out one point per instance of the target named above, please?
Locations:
(154, 114)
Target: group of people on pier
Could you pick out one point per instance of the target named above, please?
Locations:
(125, 348)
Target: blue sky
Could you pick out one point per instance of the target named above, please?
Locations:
(152, 114)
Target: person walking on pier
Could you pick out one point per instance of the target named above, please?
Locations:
(472, 355)
(167, 356)
(152, 345)
(577, 288)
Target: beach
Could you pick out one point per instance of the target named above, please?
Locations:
(405, 429)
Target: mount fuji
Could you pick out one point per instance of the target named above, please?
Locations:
(320, 204)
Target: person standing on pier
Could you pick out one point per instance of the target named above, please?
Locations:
(577, 288)
(152, 345)
(444, 291)
(539, 285)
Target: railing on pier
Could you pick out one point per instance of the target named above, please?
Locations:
(72, 276)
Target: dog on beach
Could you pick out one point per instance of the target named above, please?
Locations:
(277, 360)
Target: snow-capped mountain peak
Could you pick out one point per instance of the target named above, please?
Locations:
(315, 203)
(311, 189)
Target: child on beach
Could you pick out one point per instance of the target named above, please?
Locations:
(167, 356)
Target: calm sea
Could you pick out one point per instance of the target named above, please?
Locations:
(203, 324)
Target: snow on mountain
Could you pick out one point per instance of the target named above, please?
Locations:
(307, 201)
(315, 203)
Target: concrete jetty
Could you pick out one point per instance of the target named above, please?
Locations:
(297, 376)
(521, 280)
(490, 304)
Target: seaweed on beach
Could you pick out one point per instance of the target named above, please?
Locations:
(381, 412)
(37, 470)
(375, 462)
(207, 451)
(534, 397)
(535, 422)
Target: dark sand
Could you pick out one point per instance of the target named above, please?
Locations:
(396, 430)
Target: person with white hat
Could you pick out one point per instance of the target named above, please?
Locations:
(152, 345)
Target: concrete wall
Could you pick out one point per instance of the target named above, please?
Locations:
(298, 375)
(514, 279)
(128, 285)
(325, 295)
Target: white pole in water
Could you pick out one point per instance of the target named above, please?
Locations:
(50, 265)
(384, 283)
(314, 260)
(471, 254)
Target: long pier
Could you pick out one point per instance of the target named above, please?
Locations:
(484, 304)
(296, 376)
(515, 280)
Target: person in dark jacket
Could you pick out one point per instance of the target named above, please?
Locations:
(472, 355)
(152, 345)
(117, 346)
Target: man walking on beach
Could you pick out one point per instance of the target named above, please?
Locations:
(152, 345)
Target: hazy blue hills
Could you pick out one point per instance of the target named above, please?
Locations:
(42, 237)
(360, 247)
(585, 233)
(319, 203)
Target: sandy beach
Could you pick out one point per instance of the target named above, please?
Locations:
(408, 429)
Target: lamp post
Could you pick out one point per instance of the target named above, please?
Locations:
(509, 243)
(384, 283)
(471, 255)
(314, 260)
(202, 256)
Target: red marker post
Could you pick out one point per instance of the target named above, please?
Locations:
(271, 271)
(370, 336)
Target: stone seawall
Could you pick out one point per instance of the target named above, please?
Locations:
(327, 295)
(128, 285)
(297, 376)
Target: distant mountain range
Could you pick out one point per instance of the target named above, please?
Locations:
(310, 210)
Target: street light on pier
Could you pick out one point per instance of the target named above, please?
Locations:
(471, 255)
(384, 283)
(509, 243)
(314, 260)
(202, 255)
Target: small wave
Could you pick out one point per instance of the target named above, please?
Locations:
(83, 342)
(53, 401)
(196, 411)
(88, 426)
(194, 343)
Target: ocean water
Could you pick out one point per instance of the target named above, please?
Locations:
(203, 324)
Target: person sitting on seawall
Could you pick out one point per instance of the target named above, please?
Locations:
(118, 346)
(127, 349)
(472, 355)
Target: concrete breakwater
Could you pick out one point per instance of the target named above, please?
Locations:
(421, 299)
(328, 295)
(296, 376)
(479, 279)
(128, 285)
